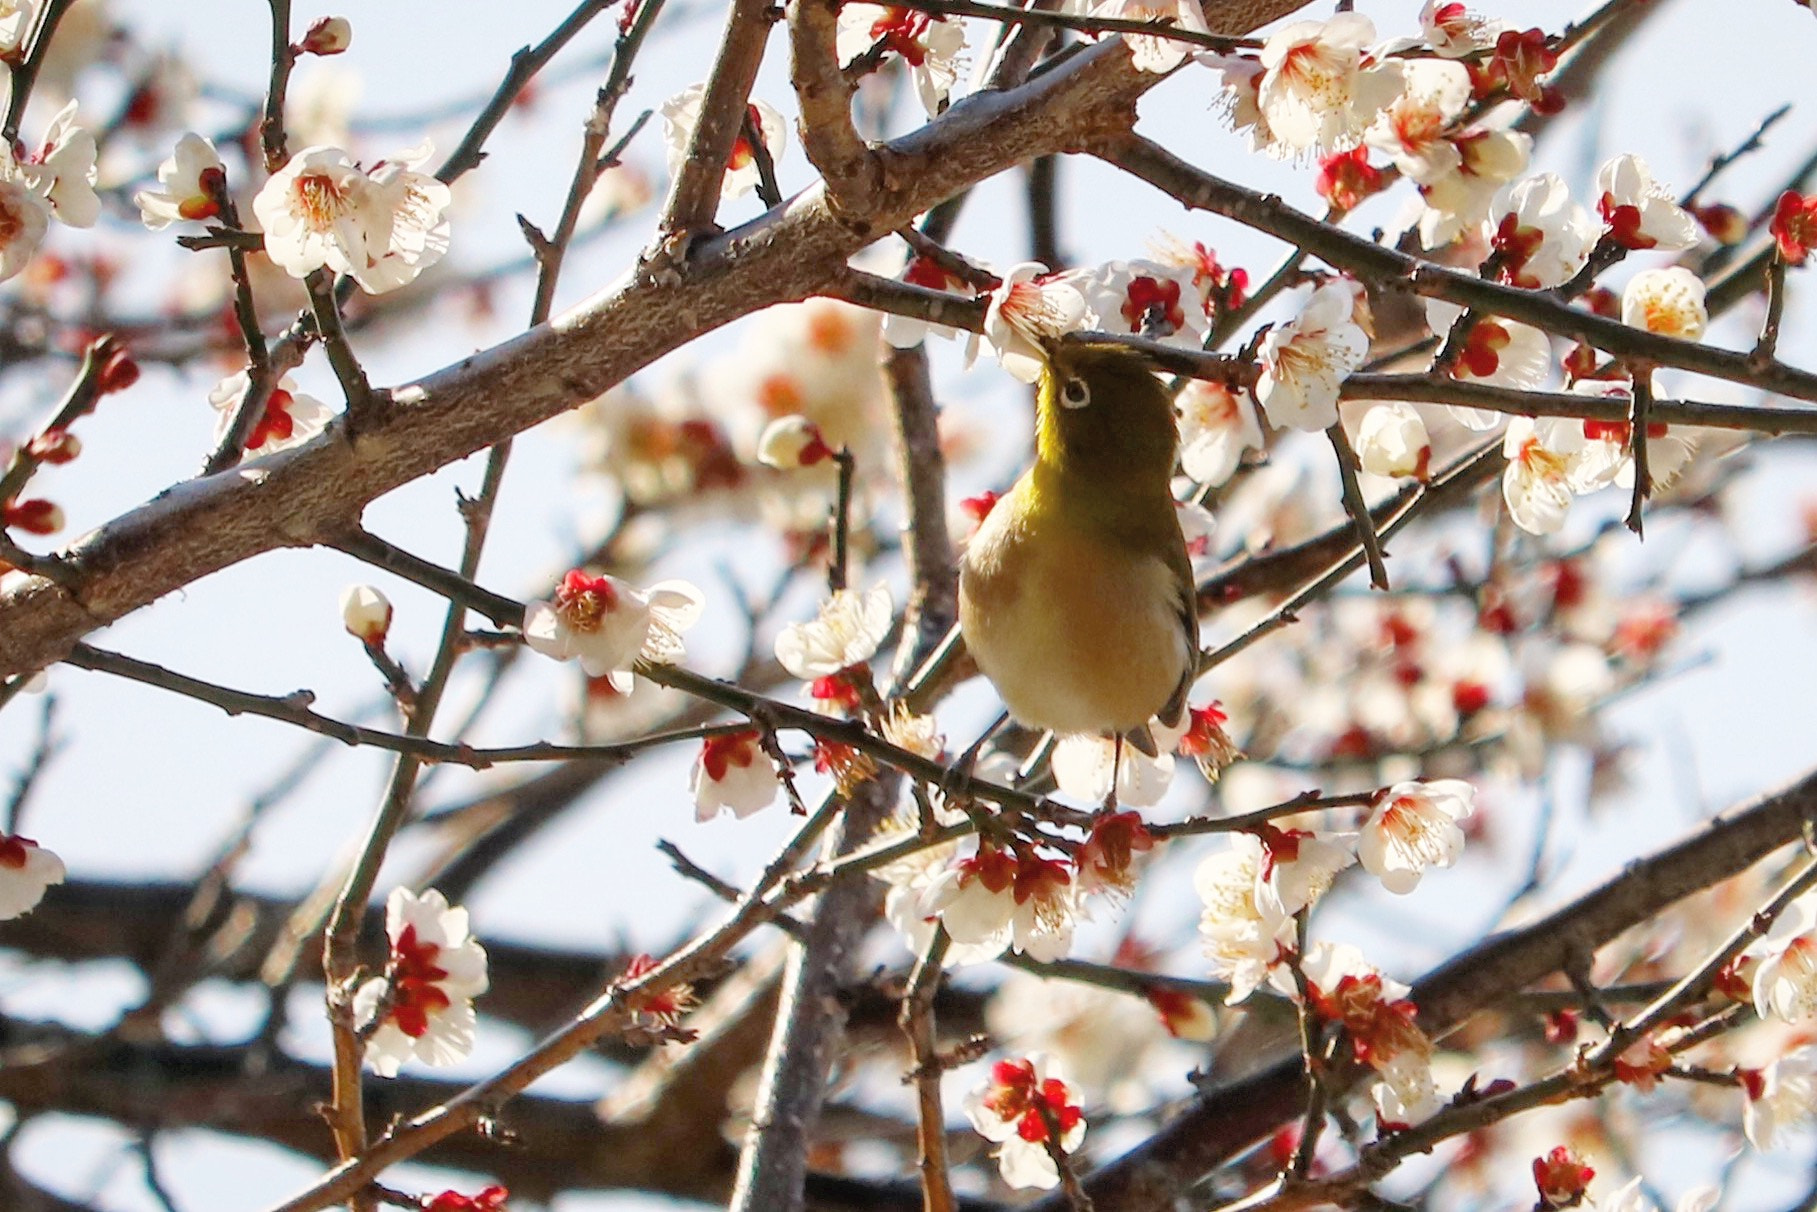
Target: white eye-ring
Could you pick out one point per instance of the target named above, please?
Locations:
(1075, 393)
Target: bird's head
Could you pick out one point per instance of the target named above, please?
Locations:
(1103, 413)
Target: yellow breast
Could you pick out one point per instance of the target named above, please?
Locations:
(1076, 633)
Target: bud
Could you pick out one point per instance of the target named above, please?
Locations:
(55, 446)
(36, 516)
(118, 372)
(366, 614)
(1392, 441)
(1726, 225)
(328, 36)
(791, 442)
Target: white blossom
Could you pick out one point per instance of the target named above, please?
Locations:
(1217, 424)
(1637, 209)
(411, 207)
(1305, 360)
(1543, 458)
(423, 1005)
(1412, 130)
(608, 624)
(1151, 53)
(1026, 310)
(1243, 927)
(1414, 826)
(930, 46)
(1012, 1109)
(24, 220)
(291, 417)
(1544, 237)
(365, 613)
(1785, 982)
(1392, 441)
(26, 871)
(1083, 764)
(846, 632)
(320, 210)
(184, 185)
(681, 113)
(732, 771)
(1317, 92)
(1785, 1097)
(1144, 299)
(63, 170)
(1666, 301)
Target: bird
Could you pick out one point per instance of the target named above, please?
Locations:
(1076, 597)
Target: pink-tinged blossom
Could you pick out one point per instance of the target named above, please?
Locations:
(1542, 236)
(1017, 1108)
(422, 1007)
(26, 871)
(187, 183)
(930, 45)
(1027, 310)
(1151, 53)
(1782, 1095)
(1144, 299)
(1241, 99)
(681, 113)
(1243, 927)
(732, 771)
(1669, 302)
(1636, 210)
(1217, 424)
(1413, 826)
(291, 417)
(608, 625)
(997, 898)
(1306, 359)
(846, 632)
(1392, 441)
(1785, 980)
(1412, 130)
(1319, 90)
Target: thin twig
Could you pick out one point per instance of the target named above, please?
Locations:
(1357, 507)
(917, 1021)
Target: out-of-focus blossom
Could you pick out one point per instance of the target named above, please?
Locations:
(1541, 236)
(1794, 226)
(790, 442)
(1106, 861)
(365, 613)
(1666, 301)
(1217, 424)
(1782, 1095)
(24, 219)
(846, 632)
(327, 36)
(608, 625)
(681, 113)
(1028, 309)
(1637, 211)
(422, 1007)
(732, 771)
(1346, 179)
(187, 184)
(1206, 742)
(291, 417)
(1083, 765)
(15, 23)
(26, 871)
(63, 170)
(1013, 1109)
(1561, 1178)
(1628, 1198)
(1152, 53)
(1306, 359)
(1319, 91)
(1413, 826)
(1785, 980)
(1520, 58)
(1392, 441)
(491, 1199)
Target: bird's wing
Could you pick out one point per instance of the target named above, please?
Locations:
(1180, 564)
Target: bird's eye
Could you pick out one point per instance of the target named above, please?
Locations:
(1075, 393)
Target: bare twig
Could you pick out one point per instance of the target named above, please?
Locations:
(1357, 507)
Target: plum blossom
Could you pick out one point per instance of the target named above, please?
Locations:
(1412, 130)
(365, 613)
(1241, 99)
(1217, 424)
(1794, 226)
(1306, 359)
(291, 417)
(1148, 52)
(1026, 310)
(846, 632)
(15, 24)
(1628, 1198)
(1497, 351)
(608, 625)
(187, 182)
(791, 442)
(930, 46)
(906, 332)
(1083, 765)
(1542, 237)
(910, 879)
(24, 220)
(1413, 826)
(1544, 458)
(319, 210)
(732, 771)
(1297, 866)
(1782, 1095)
(1106, 861)
(1608, 455)
(1785, 982)
(1392, 441)
(1243, 928)
(412, 208)
(1666, 301)
(1319, 89)
(422, 1007)
(63, 170)
(1637, 211)
(998, 898)
(1013, 1108)
(1206, 742)
(681, 113)
(1456, 201)
(1454, 31)
(26, 871)
(1381, 1024)
(1144, 298)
